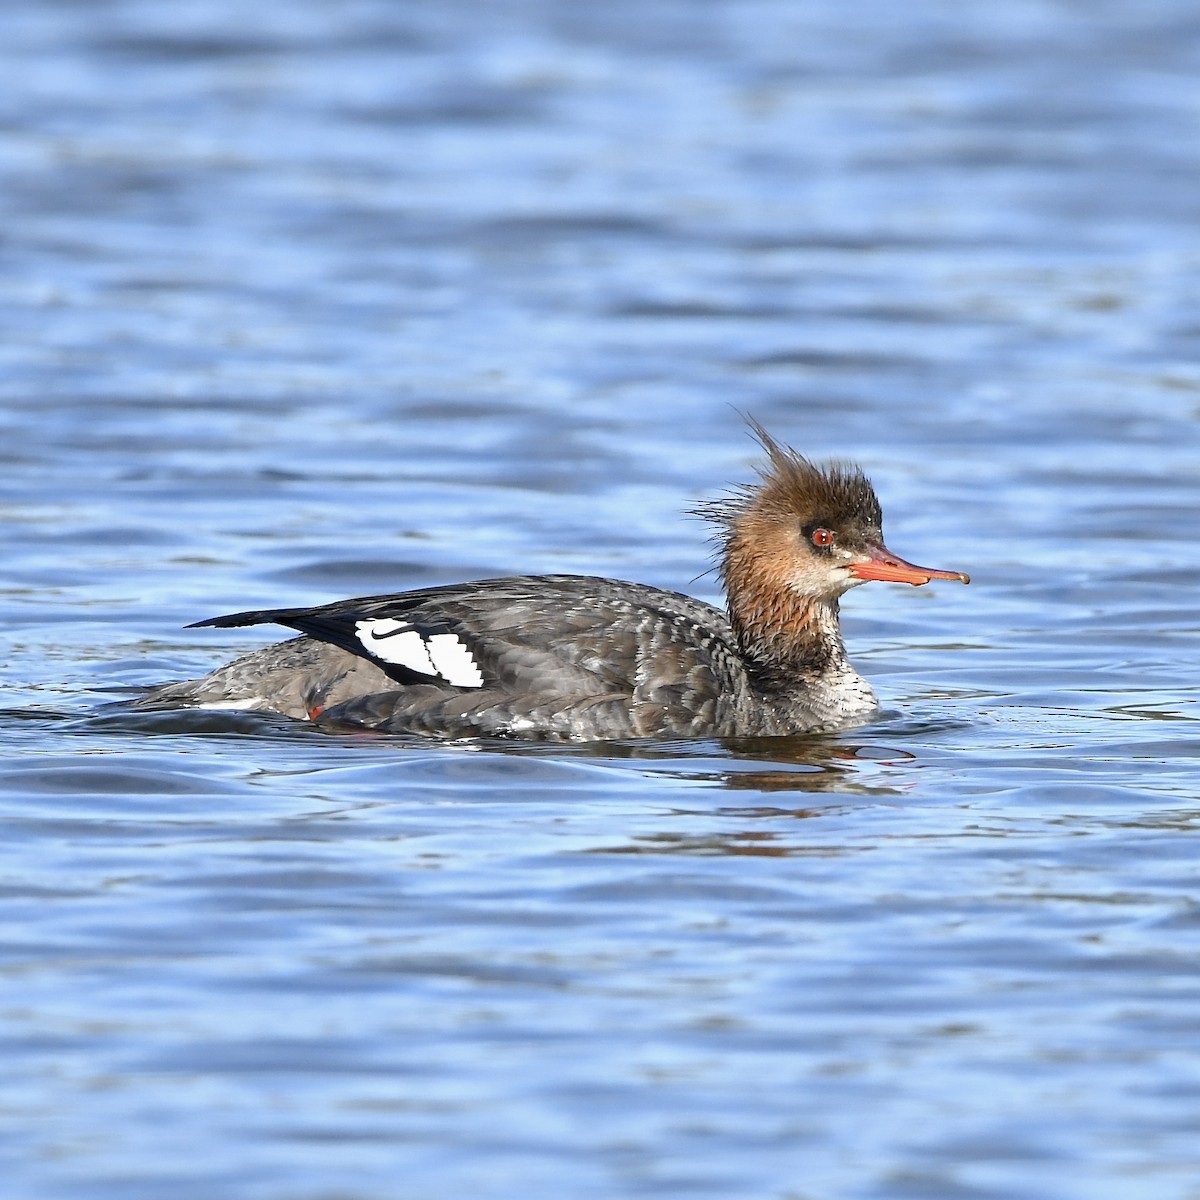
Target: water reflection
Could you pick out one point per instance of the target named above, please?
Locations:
(737, 843)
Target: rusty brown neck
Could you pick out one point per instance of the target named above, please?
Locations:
(784, 636)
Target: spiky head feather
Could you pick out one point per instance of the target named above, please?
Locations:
(796, 490)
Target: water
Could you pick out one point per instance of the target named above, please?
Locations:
(302, 301)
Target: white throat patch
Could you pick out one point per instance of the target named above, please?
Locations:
(438, 655)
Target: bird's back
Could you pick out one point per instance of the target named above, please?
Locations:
(534, 656)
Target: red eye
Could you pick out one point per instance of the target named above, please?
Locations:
(822, 537)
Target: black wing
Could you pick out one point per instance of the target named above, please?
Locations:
(409, 645)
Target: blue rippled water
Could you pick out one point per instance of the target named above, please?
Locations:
(303, 301)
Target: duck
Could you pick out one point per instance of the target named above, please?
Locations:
(583, 658)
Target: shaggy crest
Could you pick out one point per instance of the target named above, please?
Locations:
(793, 487)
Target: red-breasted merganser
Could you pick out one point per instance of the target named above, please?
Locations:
(572, 657)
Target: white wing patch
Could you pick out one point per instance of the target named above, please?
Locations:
(438, 655)
(396, 642)
(453, 661)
